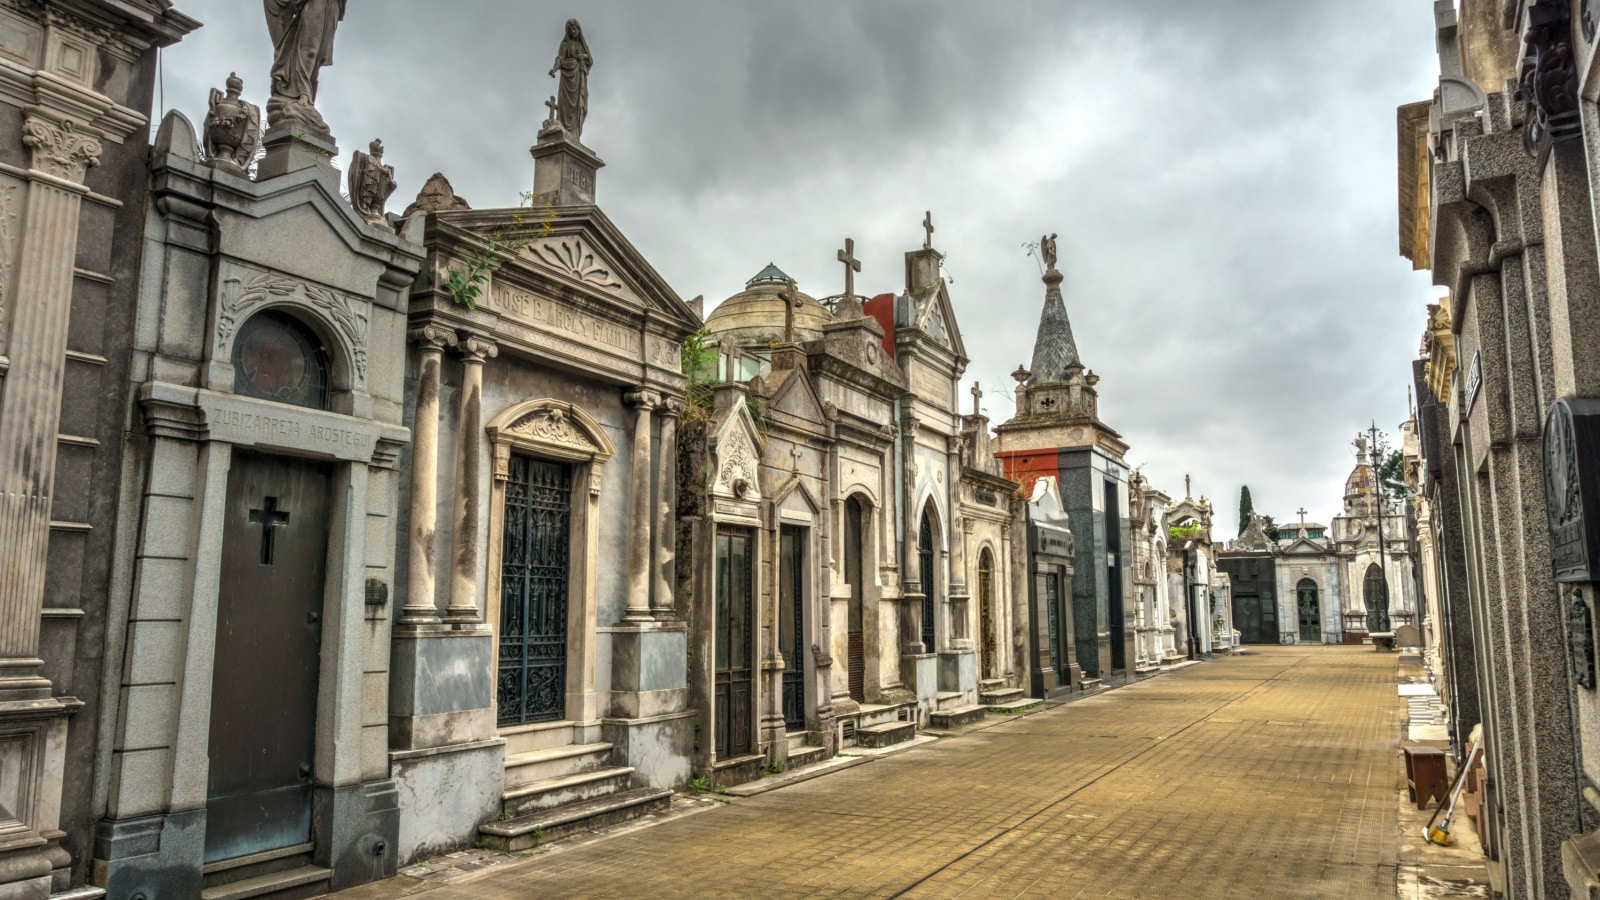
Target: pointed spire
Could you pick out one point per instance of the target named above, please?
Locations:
(1054, 349)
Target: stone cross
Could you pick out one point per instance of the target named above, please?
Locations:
(851, 267)
(977, 399)
(1188, 492)
(552, 105)
(791, 302)
(927, 225)
(1302, 511)
(794, 456)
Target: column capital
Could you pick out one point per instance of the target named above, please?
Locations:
(59, 149)
(672, 407)
(432, 337)
(475, 349)
(642, 399)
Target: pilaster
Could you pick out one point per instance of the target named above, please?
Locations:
(463, 609)
(421, 604)
(644, 402)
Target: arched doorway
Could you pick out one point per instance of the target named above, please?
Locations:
(1310, 607)
(855, 651)
(925, 557)
(986, 636)
(1375, 591)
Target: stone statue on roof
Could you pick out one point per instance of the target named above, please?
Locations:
(232, 128)
(573, 63)
(302, 43)
(1047, 248)
(371, 181)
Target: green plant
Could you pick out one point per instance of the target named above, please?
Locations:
(776, 767)
(1392, 473)
(698, 360)
(700, 785)
(1245, 508)
(525, 854)
(504, 815)
(722, 788)
(758, 411)
(1185, 532)
(538, 834)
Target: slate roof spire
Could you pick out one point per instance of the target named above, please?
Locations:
(1054, 349)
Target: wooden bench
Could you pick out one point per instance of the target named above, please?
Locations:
(1426, 777)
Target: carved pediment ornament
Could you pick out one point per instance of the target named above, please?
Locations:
(736, 476)
(1548, 81)
(349, 317)
(552, 428)
(552, 425)
(573, 258)
(60, 150)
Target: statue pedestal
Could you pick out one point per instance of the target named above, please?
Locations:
(291, 149)
(563, 169)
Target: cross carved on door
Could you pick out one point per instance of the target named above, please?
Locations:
(270, 518)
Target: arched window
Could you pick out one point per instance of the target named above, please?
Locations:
(276, 357)
(1375, 590)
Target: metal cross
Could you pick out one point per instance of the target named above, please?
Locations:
(551, 105)
(269, 517)
(927, 225)
(977, 399)
(1302, 512)
(851, 267)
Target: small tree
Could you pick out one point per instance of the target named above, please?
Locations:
(1246, 508)
(1392, 474)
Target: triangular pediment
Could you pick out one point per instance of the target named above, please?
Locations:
(935, 316)
(797, 398)
(581, 248)
(737, 452)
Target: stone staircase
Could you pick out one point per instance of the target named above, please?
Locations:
(882, 726)
(994, 696)
(801, 753)
(555, 787)
(285, 874)
(951, 711)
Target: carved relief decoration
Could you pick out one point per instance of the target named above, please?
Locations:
(1548, 81)
(553, 429)
(736, 472)
(349, 317)
(571, 257)
(60, 150)
(552, 425)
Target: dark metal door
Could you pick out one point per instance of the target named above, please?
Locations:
(268, 654)
(1052, 606)
(1310, 613)
(1376, 591)
(1247, 615)
(986, 612)
(791, 627)
(925, 558)
(733, 652)
(533, 592)
(855, 649)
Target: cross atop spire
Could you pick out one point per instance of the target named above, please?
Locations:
(849, 307)
(1302, 511)
(927, 225)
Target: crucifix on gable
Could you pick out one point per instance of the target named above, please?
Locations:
(927, 226)
(1302, 512)
(270, 518)
(851, 267)
(977, 399)
(791, 302)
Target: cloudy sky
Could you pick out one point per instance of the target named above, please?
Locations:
(1221, 174)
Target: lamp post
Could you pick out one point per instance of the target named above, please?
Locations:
(1188, 599)
(1378, 620)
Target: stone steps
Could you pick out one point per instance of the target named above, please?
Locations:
(887, 734)
(955, 718)
(529, 831)
(554, 762)
(948, 700)
(289, 884)
(540, 736)
(1014, 705)
(998, 695)
(803, 756)
(578, 787)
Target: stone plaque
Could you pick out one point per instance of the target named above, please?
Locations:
(1474, 379)
(1572, 488)
(1052, 541)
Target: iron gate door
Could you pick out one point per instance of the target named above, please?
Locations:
(791, 627)
(733, 671)
(1247, 615)
(855, 638)
(268, 653)
(1310, 615)
(925, 557)
(533, 592)
(986, 613)
(1052, 612)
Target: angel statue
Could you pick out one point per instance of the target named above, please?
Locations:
(232, 128)
(573, 62)
(371, 183)
(1047, 248)
(302, 43)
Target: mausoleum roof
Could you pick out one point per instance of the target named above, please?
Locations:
(755, 315)
(1054, 349)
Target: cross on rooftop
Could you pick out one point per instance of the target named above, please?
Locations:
(927, 225)
(851, 267)
(551, 105)
(270, 518)
(1302, 512)
(977, 399)
(791, 302)
(1188, 492)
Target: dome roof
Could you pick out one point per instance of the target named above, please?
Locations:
(755, 315)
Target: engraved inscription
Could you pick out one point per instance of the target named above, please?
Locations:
(537, 310)
(276, 429)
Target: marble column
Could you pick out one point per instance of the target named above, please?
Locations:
(666, 567)
(639, 540)
(463, 609)
(421, 606)
(30, 409)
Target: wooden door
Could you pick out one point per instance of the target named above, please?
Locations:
(734, 678)
(791, 625)
(268, 656)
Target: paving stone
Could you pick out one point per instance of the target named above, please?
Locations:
(1265, 775)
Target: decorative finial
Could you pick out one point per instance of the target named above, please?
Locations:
(1047, 249)
(1188, 491)
(370, 182)
(573, 63)
(232, 128)
(1021, 375)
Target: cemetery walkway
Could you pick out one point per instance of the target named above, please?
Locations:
(1269, 775)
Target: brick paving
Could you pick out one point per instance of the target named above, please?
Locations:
(1270, 775)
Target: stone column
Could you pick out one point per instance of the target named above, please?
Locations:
(666, 567)
(463, 609)
(421, 608)
(643, 402)
(30, 409)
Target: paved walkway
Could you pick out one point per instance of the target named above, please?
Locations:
(1270, 775)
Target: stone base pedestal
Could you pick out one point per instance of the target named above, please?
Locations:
(290, 151)
(659, 748)
(920, 674)
(439, 687)
(563, 169)
(649, 670)
(958, 671)
(446, 793)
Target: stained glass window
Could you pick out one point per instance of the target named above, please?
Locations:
(277, 358)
